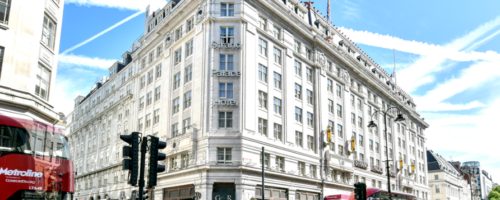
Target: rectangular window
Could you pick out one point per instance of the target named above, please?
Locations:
(150, 77)
(225, 119)
(226, 35)
(263, 126)
(148, 120)
(224, 155)
(189, 48)
(262, 99)
(175, 107)
(339, 91)
(42, 81)
(141, 103)
(226, 90)
(312, 170)
(309, 74)
(301, 167)
(361, 142)
(178, 56)
(296, 46)
(339, 131)
(339, 110)
(277, 56)
(227, 10)
(298, 138)
(310, 142)
(156, 118)
(280, 163)
(177, 80)
(178, 34)
(298, 114)
(267, 157)
(262, 23)
(4, 12)
(277, 80)
(157, 93)
(175, 130)
(262, 73)
(187, 99)
(158, 71)
(143, 82)
(298, 68)
(309, 94)
(140, 123)
(330, 106)
(48, 31)
(309, 54)
(310, 120)
(298, 91)
(149, 98)
(277, 106)
(190, 24)
(341, 150)
(226, 62)
(173, 163)
(188, 73)
(352, 100)
(371, 145)
(186, 124)
(276, 32)
(360, 121)
(262, 47)
(278, 134)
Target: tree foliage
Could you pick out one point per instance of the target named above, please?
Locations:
(494, 194)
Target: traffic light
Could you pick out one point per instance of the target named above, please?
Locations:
(145, 194)
(132, 151)
(154, 157)
(360, 191)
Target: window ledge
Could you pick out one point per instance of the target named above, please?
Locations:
(4, 26)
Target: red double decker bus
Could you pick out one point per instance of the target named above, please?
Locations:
(34, 161)
(374, 194)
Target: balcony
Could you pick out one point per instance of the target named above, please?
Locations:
(360, 164)
(376, 169)
(393, 174)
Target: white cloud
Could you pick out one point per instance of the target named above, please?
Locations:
(79, 60)
(102, 32)
(66, 91)
(469, 78)
(420, 48)
(434, 56)
(121, 4)
(473, 134)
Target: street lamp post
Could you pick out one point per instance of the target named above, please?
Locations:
(373, 125)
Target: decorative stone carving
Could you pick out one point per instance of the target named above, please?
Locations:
(347, 78)
(201, 13)
(169, 38)
(321, 59)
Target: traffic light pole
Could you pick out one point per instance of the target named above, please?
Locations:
(144, 146)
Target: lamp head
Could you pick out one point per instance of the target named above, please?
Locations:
(413, 167)
(353, 143)
(400, 162)
(329, 132)
(400, 118)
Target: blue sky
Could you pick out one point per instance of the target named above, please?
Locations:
(446, 54)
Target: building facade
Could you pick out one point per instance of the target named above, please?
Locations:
(218, 80)
(484, 180)
(30, 31)
(470, 177)
(445, 180)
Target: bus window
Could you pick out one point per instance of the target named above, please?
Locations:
(13, 139)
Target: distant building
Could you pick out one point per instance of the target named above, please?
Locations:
(30, 31)
(446, 181)
(472, 181)
(485, 181)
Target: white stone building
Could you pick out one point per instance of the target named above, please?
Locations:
(446, 180)
(218, 80)
(30, 31)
